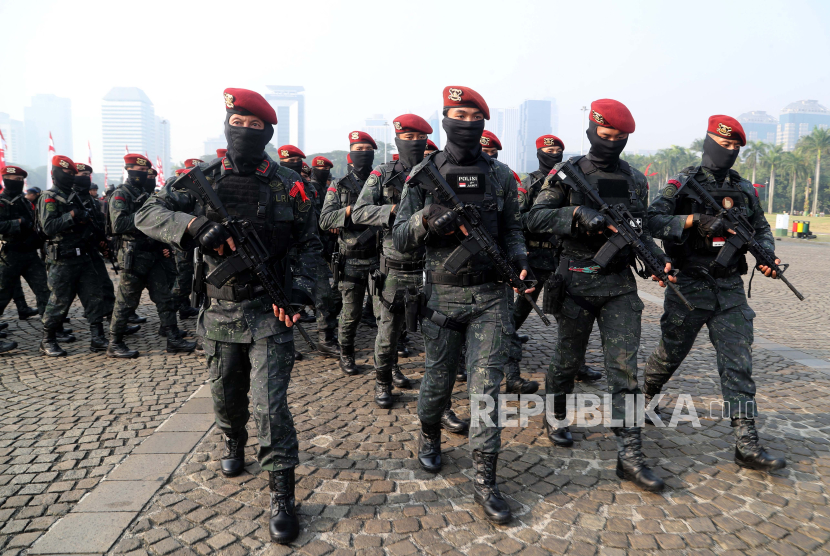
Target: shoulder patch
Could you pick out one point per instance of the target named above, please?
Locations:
(669, 190)
(373, 179)
(49, 200)
(119, 198)
(332, 189)
(375, 173)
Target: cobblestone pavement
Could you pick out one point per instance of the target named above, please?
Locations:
(68, 422)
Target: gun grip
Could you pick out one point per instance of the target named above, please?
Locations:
(463, 253)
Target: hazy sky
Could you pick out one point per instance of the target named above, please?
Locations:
(672, 63)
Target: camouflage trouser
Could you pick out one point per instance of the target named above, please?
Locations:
(486, 311)
(328, 301)
(150, 270)
(619, 326)
(68, 278)
(390, 325)
(262, 367)
(28, 266)
(730, 332)
(107, 288)
(184, 274)
(353, 289)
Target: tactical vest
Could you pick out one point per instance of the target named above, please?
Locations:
(393, 186)
(348, 188)
(134, 198)
(535, 183)
(12, 208)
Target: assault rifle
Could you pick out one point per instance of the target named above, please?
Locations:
(478, 238)
(93, 234)
(744, 236)
(627, 234)
(251, 253)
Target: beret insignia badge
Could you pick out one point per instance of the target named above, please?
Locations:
(355, 136)
(229, 100)
(64, 164)
(485, 141)
(10, 170)
(284, 153)
(597, 117)
(141, 162)
(455, 95)
(725, 130)
(320, 163)
(398, 126)
(549, 141)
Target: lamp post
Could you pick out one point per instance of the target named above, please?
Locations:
(582, 144)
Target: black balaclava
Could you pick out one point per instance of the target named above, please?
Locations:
(463, 139)
(718, 159)
(362, 161)
(137, 178)
(604, 153)
(494, 155)
(296, 166)
(62, 179)
(150, 183)
(13, 188)
(246, 146)
(81, 184)
(547, 160)
(411, 152)
(320, 175)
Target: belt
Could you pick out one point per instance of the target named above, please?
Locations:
(466, 279)
(540, 244)
(715, 272)
(367, 253)
(441, 319)
(234, 292)
(387, 264)
(58, 253)
(152, 248)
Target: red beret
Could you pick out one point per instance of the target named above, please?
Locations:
(306, 166)
(288, 151)
(612, 113)
(349, 158)
(726, 127)
(220, 153)
(431, 146)
(245, 102)
(64, 162)
(361, 137)
(181, 171)
(13, 171)
(455, 96)
(489, 140)
(322, 162)
(83, 167)
(549, 141)
(137, 159)
(396, 157)
(192, 162)
(411, 123)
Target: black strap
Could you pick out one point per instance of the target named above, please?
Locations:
(441, 319)
(234, 292)
(466, 279)
(367, 253)
(387, 264)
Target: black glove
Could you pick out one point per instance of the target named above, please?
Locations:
(81, 215)
(589, 220)
(209, 234)
(440, 219)
(711, 226)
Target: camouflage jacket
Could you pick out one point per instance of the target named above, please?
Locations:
(166, 215)
(540, 247)
(553, 213)
(352, 236)
(124, 203)
(20, 238)
(54, 209)
(410, 233)
(380, 193)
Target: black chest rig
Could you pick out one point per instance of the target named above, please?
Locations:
(20, 207)
(546, 241)
(393, 186)
(349, 190)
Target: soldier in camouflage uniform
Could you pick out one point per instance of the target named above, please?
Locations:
(249, 343)
(73, 244)
(608, 295)
(693, 237)
(472, 305)
(183, 285)
(144, 262)
(357, 244)
(328, 302)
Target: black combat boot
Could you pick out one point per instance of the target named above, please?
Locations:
(486, 491)
(176, 342)
(327, 344)
(451, 422)
(630, 460)
(131, 329)
(347, 364)
(98, 342)
(233, 458)
(186, 311)
(7, 346)
(383, 388)
(3, 334)
(404, 337)
(118, 349)
(135, 319)
(429, 447)
(523, 338)
(284, 525)
(748, 452)
(49, 344)
(461, 376)
(4, 325)
(398, 378)
(163, 330)
(587, 374)
(514, 383)
(403, 350)
(63, 336)
(559, 436)
(25, 312)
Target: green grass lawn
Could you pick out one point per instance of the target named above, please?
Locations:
(817, 225)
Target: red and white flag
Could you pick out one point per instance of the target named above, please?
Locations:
(105, 178)
(49, 162)
(124, 175)
(160, 179)
(2, 151)
(89, 153)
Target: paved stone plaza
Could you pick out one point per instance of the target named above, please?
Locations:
(105, 456)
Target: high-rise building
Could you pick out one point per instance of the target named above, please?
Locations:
(163, 144)
(798, 119)
(128, 120)
(759, 126)
(554, 115)
(212, 144)
(15, 139)
(377, 126)
(289, 104)
(504, 122)
(534, 120)
(47, 114)
(435, 123)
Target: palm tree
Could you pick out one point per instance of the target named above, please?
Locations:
(697, 145)
(817, 142)
(793, 163)
(774, 156)
(752, 152)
